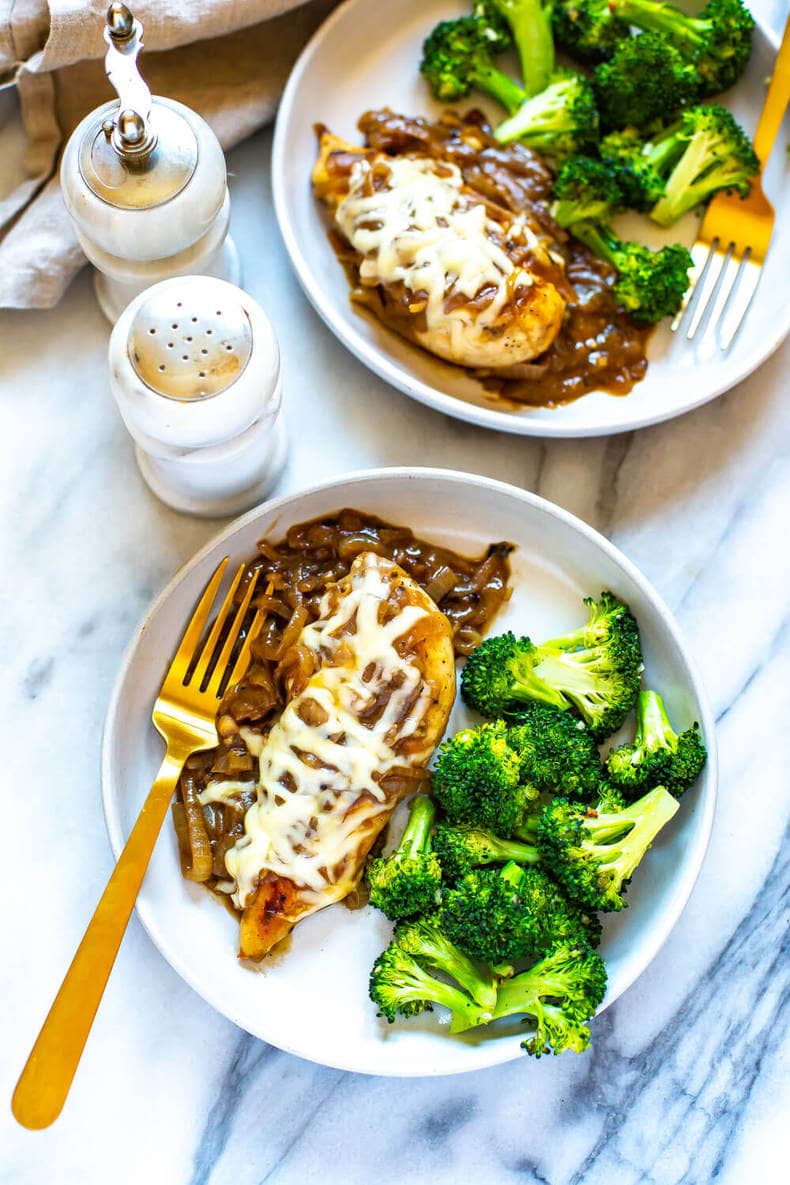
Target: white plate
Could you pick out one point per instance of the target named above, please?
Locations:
(313, 1000)
(354, 63)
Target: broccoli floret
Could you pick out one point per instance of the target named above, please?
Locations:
(638, 174)
(463, 847)
(559, 121)
(588, 29)
(425, 941)
(658, 755)
(409, 881)
(718, 41)
(501, 914)
(560, 993)
(499, 678)
(477, 779)
(456, 58)
(683, 165)
(646, 79)
(706, 151)
(595, 669)
(529, 23)
(585, 188)
(594, 853)
(651, 284)
(399, 984)
(496, 30)
(558, 753)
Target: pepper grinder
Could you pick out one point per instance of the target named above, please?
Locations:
(145, 183)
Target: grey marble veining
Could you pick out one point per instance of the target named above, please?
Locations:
(687, 1079)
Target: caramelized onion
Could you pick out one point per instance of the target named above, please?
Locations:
(443, 582)
(196, 858)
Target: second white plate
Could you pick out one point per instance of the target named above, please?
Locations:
(353, 64)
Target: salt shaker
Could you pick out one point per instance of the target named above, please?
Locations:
(145, 183)
(195, 370)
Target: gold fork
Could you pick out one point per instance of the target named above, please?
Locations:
(184, 715)
(733, 239)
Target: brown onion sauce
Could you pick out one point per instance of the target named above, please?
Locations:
(293, 576)
(598, 347)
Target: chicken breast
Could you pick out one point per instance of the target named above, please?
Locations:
(443, 264)
(371, 688)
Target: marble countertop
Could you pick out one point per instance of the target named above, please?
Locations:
(685, 1083)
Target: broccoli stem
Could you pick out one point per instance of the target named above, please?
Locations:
(514, 852)
(530, 23)
(663, 152)
(417, 985)
(571, 670)
(648, 816)
(653, 727)
(661, 18)
(416, 832)
(539, 114)
(499, 86)
(599, 239)
(523, 992)
(527, 831)
(462, 969)
(527, 687)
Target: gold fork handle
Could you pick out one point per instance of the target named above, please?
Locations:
(48, 1073)
(775, 101)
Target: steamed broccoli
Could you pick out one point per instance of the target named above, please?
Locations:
(588, 29)
(637, 169)
(706, 151)
(399, 984)
(409, 881)
(585, 188)
(560, 993)
(646, 79)
(658, 755)
(500, 914)
(477, 779)
(529, 22)
(462, 848)
(456, 58)
(496, 30)
(425, 941)
(594, 853)
(559, 121)
(558, 752)
(718, 41)
(651, 284)
(595, 669)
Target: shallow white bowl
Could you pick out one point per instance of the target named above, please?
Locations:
(353, 64)
(313, 1000)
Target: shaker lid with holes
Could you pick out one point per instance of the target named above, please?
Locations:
(193, 361)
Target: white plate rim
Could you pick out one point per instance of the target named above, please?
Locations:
(489, 1054)
(409, 384)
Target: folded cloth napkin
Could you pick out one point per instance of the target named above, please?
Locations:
(227, 59)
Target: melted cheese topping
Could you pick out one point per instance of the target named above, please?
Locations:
(421, 229)
(302, 826)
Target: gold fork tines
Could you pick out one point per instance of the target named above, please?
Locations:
(733, 239)
(184, 714)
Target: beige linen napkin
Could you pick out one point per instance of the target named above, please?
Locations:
(228, 59)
